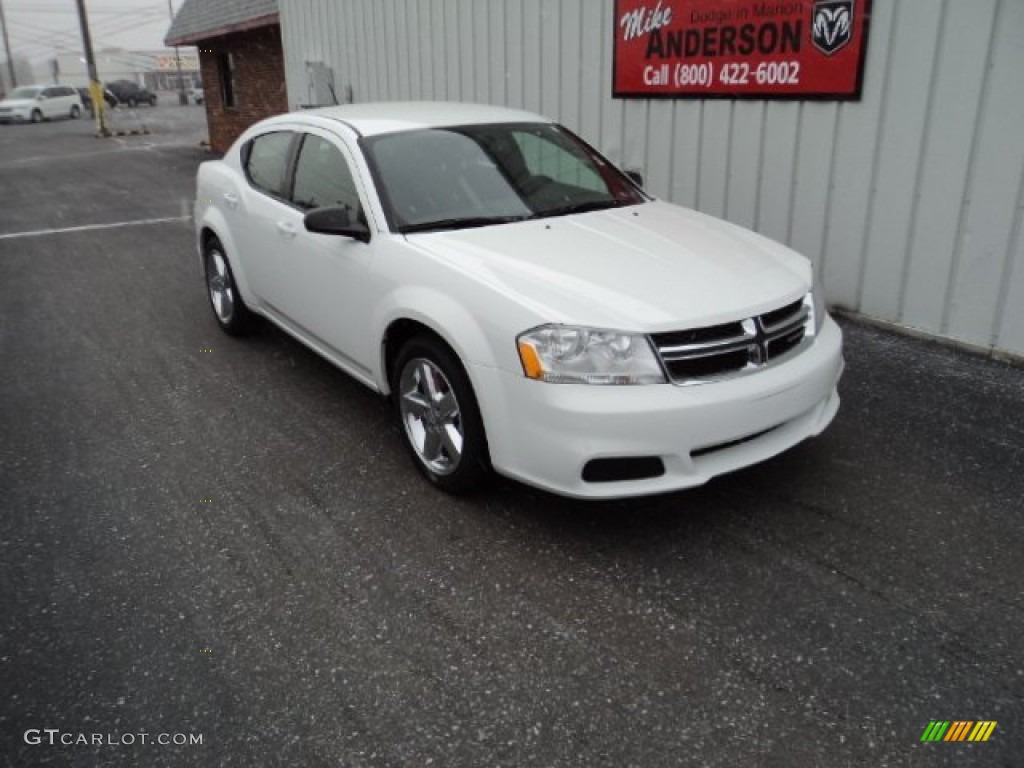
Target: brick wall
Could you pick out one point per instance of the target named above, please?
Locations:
(259, 82)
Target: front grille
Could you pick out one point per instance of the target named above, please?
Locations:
(702, 335)
(721, 351)
(781, 316)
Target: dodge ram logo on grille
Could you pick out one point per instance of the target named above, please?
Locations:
(831, 25)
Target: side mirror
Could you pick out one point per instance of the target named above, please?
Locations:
(636, 177)
(336, 220)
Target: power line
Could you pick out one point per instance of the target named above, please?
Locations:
(63, 9)
(37, 12)
(67, 32)
(118, 19)
(108, 29)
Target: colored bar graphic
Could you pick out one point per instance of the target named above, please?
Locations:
(958, 730)
(935, 731)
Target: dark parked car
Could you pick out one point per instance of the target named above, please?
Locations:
(131, 93)
(87, 98)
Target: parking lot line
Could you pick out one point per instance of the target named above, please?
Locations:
(90, 227)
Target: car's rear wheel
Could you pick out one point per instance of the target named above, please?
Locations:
(75, 111)
(439, 416)
(152, 101)
(37, 116)
(225, 300)
(131, 103)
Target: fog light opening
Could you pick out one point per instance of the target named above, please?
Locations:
(626, 468)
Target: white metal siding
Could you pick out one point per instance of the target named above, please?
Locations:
(908, 201)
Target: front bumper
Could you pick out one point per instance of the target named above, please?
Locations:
(545, 434)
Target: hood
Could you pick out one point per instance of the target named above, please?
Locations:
(17, 103)
(653, 267)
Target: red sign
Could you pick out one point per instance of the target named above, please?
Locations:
(740, 48)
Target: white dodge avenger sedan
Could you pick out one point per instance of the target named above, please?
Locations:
(524, 304)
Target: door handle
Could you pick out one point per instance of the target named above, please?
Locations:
(231, 199)
(286, 229)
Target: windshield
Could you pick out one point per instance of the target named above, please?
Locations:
(471, 176)
(24, 93)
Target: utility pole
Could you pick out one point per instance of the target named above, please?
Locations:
(182, 98)
(7, 47)
(95, 86)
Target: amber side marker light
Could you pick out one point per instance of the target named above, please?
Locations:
(532, 366)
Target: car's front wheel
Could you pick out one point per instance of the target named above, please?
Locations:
(439, 416)
(227, 304)
(75, 111)
(37, 116)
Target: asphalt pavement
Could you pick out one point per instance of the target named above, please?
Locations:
(203, 536)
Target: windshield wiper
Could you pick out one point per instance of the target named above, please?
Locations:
(590, 205)
(465, 223)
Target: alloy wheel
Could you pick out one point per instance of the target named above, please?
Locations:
(431, 416)
(221, 286)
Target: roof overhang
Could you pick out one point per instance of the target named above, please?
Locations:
(268, 20)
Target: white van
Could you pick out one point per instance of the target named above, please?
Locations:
(34, 103)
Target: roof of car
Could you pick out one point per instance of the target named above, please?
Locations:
(371, 119)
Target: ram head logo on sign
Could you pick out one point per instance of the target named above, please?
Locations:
(832, 25)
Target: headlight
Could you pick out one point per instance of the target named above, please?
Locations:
(563, 354)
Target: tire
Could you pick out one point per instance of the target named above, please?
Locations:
(152, 101)
(75, 111)
(37, 116)
(439, 416)
(227, 304)
(131, 103)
